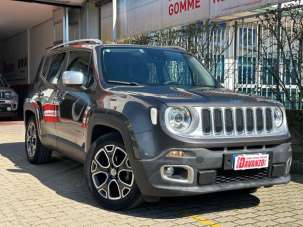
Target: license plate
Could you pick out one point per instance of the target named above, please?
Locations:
(248, 162)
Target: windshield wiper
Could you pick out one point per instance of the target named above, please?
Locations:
(123, 83)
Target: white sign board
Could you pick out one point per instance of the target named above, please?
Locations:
(136, 17)
(220, 8)
(176, 12)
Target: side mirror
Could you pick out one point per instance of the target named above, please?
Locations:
(73, 78)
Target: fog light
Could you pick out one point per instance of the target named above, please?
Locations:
(169, 171)
(9, 109)
(181, 174)
(176, 154)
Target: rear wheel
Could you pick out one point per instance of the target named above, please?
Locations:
(36, 153)
(110, 175)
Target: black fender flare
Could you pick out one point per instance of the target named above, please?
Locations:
(35, 109)
(118, 122)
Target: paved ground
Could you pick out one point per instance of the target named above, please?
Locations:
(56, 195)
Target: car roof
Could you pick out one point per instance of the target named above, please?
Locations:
(93, 44)
(143, 46)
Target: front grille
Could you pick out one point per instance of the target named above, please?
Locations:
(237, 121)
(2, 95)
(206, 119)
(241, 176)
(218, 119)
(269, 120)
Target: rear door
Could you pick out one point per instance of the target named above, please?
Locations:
(47, 94)
(75, 101)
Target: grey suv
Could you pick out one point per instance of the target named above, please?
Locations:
(151, 122)
(8, 100)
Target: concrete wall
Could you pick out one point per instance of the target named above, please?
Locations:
(21, 54)
(14, 58)
(106, 22)
(90, 21)
(41, 37)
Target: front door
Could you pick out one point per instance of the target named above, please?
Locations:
(74, 102)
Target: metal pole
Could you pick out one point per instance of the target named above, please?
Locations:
(29, 62)
(66, 25)
(114, 32)
(279, 47)
(236, 46)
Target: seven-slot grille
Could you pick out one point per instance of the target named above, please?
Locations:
(229, 121)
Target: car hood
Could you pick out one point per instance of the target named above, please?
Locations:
(6, 89)
(215, 96)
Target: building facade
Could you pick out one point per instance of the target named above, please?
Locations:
(230, 37)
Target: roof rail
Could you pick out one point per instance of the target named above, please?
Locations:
(174, 47)
(80, 41)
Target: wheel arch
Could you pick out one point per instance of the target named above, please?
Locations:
(108, 123)
(101, 130)
(28, 114)
(32, 109)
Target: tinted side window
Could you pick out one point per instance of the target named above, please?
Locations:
(81, 61)
(54, 71)
(45, 63)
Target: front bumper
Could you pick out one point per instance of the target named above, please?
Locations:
(8, 109)
(212, 171)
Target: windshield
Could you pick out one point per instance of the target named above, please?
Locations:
(153, 66)
(3, 82)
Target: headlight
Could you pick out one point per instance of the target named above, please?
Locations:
(8, 95)
(278, 117)
(180, 120)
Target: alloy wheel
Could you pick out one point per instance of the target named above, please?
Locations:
(31, 139)
(112, 173)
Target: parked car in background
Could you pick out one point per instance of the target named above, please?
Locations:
(8, 100)
(151, 122)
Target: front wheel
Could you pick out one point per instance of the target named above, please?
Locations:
(249, 190)
(110, 175)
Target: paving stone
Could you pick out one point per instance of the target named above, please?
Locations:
(55, 194)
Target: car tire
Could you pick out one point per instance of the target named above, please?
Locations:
(249, 190)
(110, 176)
(36, 153)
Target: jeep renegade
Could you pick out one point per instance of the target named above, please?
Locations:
(151, 122)
(8, 100)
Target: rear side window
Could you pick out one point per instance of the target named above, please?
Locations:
(45, 63)
(55, 65)
(81, 61)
